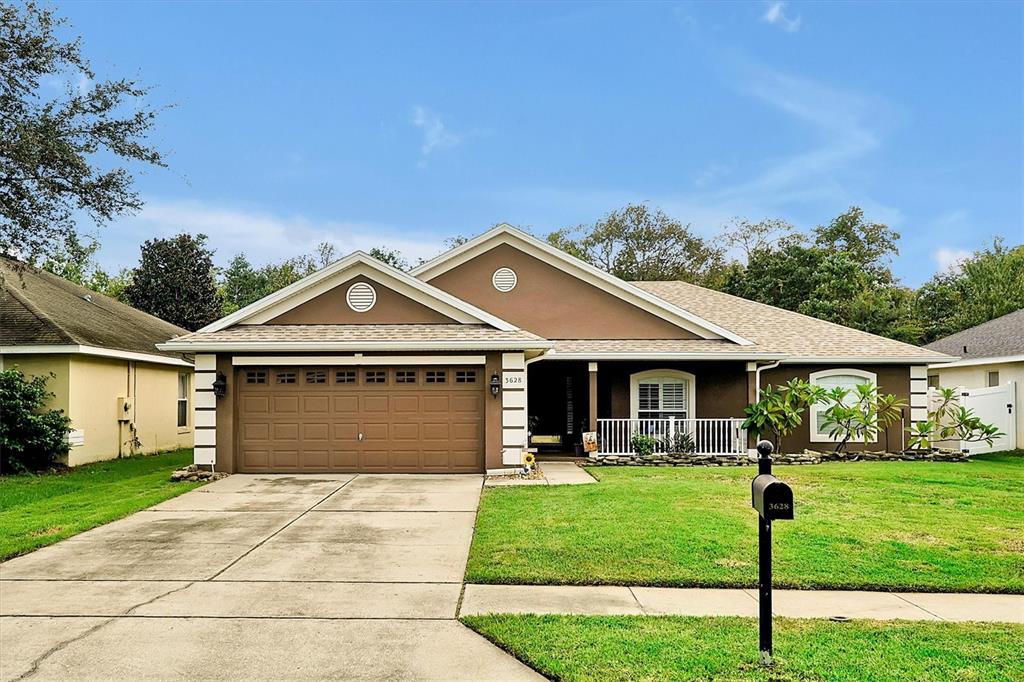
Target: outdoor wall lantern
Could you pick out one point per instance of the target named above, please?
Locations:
(495, 384)
(220, 385)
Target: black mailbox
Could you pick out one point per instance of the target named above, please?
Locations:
(772, 498)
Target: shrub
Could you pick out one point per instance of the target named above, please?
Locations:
(31, 436)
(643, 445)
(681, 442)
(950, 421)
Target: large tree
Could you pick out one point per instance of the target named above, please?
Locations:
(839, 273)
(75, 261)
(987, 285)
(62, 155)
(175, 282)
(640, 243)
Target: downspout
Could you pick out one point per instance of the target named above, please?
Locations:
(757, 377)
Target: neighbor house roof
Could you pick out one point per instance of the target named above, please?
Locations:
(41, 312)
(1002, 337)
(774, 330)
(297, 337)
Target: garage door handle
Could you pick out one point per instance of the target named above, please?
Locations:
(360, 436)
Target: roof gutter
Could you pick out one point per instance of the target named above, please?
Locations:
(298, 346)
(78, 349)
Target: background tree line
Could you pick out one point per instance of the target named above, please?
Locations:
(839, 271)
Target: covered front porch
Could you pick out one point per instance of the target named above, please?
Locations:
(656, 406)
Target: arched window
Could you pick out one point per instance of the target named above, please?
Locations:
(660, 394)
(829, 379)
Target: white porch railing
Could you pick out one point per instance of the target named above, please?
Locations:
(698, 436)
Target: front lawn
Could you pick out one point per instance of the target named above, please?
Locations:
(690, 648)
(879, 525)
(39, 510)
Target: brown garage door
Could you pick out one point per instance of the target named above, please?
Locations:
(374, 419)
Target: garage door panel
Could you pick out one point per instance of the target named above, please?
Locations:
(316, 404)
(285, 404)
(286, 431)
(405, 404)
(255, 431)
(374, 404)
(314, 459)
(256, 404)
(284, 459)
(435, 431)
(345, 405)
(344, 459)
(406, 426)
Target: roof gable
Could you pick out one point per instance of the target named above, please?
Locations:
(297, 301)
(505, 234)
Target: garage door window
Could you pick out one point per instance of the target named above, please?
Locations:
(316, 376)
(345, 376)
(285, 377)
(436, 376)
(376, 376)
(465, 376)
(256, 376)
(403, 376)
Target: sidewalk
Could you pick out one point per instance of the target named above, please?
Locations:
(651, 601)
(552, 473)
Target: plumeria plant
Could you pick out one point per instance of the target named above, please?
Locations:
(951, 421)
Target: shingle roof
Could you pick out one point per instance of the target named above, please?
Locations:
(775, 330)
(996, 338)
(657, 346)
(437, 334)
(40, 308)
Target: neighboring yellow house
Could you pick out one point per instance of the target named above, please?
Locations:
(123, 395)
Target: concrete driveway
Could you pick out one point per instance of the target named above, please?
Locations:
(259, 577)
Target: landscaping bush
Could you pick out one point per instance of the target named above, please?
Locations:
(643, 445)
(31, 436)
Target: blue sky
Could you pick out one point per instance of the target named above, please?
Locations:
(402, 124)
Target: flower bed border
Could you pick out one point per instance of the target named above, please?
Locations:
(806, 457)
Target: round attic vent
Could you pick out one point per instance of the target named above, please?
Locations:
(504, 279)
(361, 297)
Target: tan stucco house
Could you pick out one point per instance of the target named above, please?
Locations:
(499, 345)
(991, 361)
(124, 396)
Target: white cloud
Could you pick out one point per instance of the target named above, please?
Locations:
(436, 135)
(261, 235)
(950, 259)
(775, 14)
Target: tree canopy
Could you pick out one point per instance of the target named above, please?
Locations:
(175, 282)
(62, 155)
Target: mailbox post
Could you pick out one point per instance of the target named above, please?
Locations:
(772, 499)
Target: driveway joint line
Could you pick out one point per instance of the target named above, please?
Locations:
(279, 530)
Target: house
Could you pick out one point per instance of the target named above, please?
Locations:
(123, 395)
(501, 344)
(989, 372)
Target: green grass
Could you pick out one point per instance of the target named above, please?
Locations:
(39, 510)
(691, 648)
(886, 525)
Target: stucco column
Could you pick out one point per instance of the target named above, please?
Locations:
(592, 366)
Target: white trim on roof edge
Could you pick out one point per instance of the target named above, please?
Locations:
(595, 276)
(74, 349)
(857, 359)
(582, 355)
(971, 362)
(421, 291)
(327, 346)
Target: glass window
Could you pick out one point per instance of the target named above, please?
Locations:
(662, 397)
(993, 379)
(256, 376)
(465, 376)
(183, 386)
(405, 376)
(933, 381)
(345, 376)
(435, 376)
(285, 377)
(316, 376)
(376, 376)
(830, 379)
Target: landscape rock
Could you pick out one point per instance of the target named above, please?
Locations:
(194, 473)
(806, 457)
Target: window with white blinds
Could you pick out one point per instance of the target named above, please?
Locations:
(662, 397)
